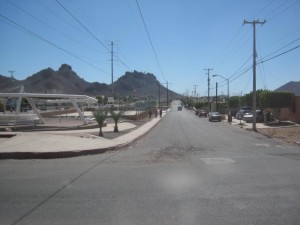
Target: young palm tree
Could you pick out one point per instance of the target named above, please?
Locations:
(116, 116)
(100, 117)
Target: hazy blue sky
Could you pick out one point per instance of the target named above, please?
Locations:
(187, 35)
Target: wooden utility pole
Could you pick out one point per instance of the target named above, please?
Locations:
(167, 94)
(167, 91)
(158, 94)
(208, 84)
(254, 22)
(217, 97)
(112, 68)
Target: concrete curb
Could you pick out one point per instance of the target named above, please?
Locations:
(74, 153)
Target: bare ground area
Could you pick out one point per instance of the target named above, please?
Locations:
(288, 134)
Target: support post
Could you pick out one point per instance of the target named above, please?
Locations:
(254, 22)
(78, 110)
(208, 84)
(217, 96)
(31, 103)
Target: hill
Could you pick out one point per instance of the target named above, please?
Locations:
(292, 86)
(66, 81)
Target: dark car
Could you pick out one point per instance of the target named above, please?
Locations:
(214, 116)
(248, 117)
(203, 112)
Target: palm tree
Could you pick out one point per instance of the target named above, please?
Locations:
(116, 116)
(100, 117)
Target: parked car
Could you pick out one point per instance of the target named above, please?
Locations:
(248, 117)
(240, 114)
(214, 116)
(203, 112)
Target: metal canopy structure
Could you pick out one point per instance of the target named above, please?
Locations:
(74, 99)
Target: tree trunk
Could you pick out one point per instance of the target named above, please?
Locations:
(100, 132)
(116, 128)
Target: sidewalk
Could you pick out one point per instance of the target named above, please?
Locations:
(58, 144)
(247, 126)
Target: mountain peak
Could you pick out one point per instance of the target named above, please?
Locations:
(66, 81)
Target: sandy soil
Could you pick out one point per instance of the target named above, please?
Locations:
(288, 134)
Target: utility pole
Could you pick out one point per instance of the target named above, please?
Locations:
(217, 96)
(195, 87)
(167, 83)
(158, 94)
(254, 22)
(167, 94)
(167, 91)
(112, 68)
(208, 84)
(11, 73)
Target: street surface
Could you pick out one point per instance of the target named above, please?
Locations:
(186, 171)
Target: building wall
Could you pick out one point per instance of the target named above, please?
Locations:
(292, 113)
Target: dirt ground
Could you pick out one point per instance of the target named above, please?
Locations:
(288, 134)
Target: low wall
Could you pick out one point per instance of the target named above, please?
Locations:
(139, 116)
(292, 113)
(54, 113)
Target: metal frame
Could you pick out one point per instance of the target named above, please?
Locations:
(74, 99)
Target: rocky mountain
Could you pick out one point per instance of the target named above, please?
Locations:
(292, 86)
(8, 84)
(66, 81)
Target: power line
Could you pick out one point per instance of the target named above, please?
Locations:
(266, 6)
(260, 62)
(42, 3)
(83, 26)
(283, 53)
(226, 54)
(49, 26)
(278, 11)
(94, 36)
(282, 47)
(24, 29)
(150, 40)
(281, 12)
(262, 69)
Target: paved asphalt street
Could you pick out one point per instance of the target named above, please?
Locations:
(185, 171)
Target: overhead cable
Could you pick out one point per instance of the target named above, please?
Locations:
(283, 53)
(150, 39)
(24, 29)
(94, 36)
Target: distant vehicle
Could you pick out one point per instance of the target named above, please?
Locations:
(179, 108)
(203, 112)
(240, 114)
(214, 116)
(248, 117)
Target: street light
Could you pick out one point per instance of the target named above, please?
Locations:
(216, 75)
